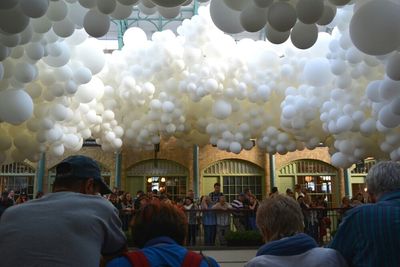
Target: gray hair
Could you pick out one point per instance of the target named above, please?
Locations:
(383, 177)
(279, 217)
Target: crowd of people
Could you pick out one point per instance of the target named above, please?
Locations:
(82, 223)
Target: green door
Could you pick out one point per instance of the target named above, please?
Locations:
(284, 182)
(135, 183)
(208, 184)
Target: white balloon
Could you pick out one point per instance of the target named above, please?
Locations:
(13, 20)
(96, 24)
(91, 55)
(309, 11)
(76, 14)
(169, 12)
(224, 18)
(88, 3)
(328, 15)
(34, 9)
(235, 147)
(147, 10)
(282, 16)
(373, 32)
(222, 109)
(263, 3)
(387, 118)
(168, 3)
(304, 36)
(237, 5)
(25, 72)
(106, 6)
(121, 11)
(128, 2)
(57, 10)
(16, 106)
(317, 72)
(34, 51)
(393, 67)
(41, 25)
(253, 18)
(1, 71)
(64, 28)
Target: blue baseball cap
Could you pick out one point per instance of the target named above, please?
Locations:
(81, 167)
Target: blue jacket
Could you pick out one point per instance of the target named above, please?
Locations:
(161, 251)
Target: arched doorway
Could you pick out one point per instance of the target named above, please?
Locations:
(320, 178)
(105, 173)
(19, 177)
(235, 176)
(164, 175)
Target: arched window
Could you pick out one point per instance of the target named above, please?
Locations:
(19, 177)
(318, 177)
(358, 172)
(163, 175)
(235, 176)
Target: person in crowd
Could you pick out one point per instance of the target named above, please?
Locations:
(223, 219)
(247, 194)
(73, 226)
(369, 234)
(239, 216)
(114, 200)
(23, 198)
(39, 194)
(344, 206)
(280, 222)
(136, 202)
(127, 209)
(5, 202)
(179, 202)
(209, 221)
(190, 209)
(159, 230)
(298, 191)
(191, 194)
(290, 193)
(216, 194)
(274, 192)
(164, 197)
(253, 206)
(11, 195)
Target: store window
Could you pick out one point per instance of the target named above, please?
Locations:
(317, 177)
(235, 177)
(19, 177)
(160, 174)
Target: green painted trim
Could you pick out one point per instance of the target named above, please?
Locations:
(118, 167)
(40, 173)
(347, 184)
(195, 7)
(196, 170)
(272, 167)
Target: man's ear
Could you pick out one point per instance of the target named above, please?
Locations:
(88, 187)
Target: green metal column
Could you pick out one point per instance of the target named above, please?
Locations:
(122, 27)
(118, 161)
(196, 170)
(195, 7)
(347, 183)
(272, 169)
(40, 173)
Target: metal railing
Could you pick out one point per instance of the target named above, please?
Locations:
(237, 228)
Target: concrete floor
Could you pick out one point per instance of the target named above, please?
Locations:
(231, 258)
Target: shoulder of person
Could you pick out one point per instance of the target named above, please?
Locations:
(330, 257)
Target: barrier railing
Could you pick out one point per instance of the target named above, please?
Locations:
(221, 228)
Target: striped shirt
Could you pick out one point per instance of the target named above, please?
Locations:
(369, 235)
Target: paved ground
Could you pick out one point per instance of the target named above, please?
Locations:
(231, 258)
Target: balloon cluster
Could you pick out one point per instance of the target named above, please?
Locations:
(200, 87)
(297, 19)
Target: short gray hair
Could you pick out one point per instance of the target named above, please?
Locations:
(383, 177)
(279, 217)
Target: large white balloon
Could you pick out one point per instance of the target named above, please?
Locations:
(253, 18)
(282, 16)
(237, 5)
(16, 106)
(96, 24)
(374, 28)
(393, 67)
(309, 11)
(106, 6)
(224, 18)
(168, 3)
(34, 9)
(304, 36)
(317, 72)
(13, 20)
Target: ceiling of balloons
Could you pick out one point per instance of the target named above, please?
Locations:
(300, 88)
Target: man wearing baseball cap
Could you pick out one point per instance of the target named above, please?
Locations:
(73, 226)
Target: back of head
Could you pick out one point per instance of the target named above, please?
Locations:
(159, 219)
(279, 217)
(73, 170)
(383, 177)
